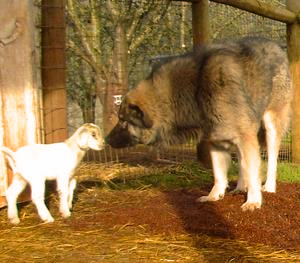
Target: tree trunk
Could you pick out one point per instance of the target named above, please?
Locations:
(110, 109)
(118, 84)
(88, 109)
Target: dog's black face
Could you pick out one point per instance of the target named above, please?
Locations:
(120, 137)
(134, 127)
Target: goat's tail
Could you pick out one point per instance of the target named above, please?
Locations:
(10, 155)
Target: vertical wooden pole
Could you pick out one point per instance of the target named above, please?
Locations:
(201, 29)
(293, 43)
(54, 70)
(200, 22)
(20, 87)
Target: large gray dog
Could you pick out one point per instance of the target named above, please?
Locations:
(223, 94)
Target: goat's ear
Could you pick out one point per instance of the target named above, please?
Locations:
(82, 138)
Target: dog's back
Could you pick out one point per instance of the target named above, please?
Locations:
(232, 81)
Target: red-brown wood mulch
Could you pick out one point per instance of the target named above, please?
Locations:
(276, 224)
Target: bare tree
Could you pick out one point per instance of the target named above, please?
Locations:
(104, 34)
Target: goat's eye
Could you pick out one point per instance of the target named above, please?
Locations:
(94, 135)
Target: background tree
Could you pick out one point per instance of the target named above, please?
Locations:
(105, 40)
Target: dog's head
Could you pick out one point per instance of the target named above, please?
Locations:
(134, 126)
(137, 117)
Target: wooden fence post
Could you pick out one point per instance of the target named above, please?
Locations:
(20, 88)
(293, 43)
(54, 70)
(200, 22)
(201, 35)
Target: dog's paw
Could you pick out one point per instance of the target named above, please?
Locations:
(250, 206)
(209, 198)
(270, 188)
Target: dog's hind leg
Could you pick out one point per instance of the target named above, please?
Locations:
(275, 124)
(220, 162)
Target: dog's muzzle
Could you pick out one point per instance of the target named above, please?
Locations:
(120, 137)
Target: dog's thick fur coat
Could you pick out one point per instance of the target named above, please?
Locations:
(224, 94)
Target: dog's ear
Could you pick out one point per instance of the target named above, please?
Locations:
(135, 115)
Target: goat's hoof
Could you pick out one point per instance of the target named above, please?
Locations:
(14, 220)
(66, 214)
(49, 220)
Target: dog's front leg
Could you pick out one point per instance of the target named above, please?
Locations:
(220, 161)
(249, 165)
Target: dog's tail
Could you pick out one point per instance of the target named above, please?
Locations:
(10, 155)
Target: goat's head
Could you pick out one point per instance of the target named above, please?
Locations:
(90, 136)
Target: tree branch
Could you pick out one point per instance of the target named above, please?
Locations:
(80, 30)
(97, 68)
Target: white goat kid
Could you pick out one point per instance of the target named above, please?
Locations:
(34, 164)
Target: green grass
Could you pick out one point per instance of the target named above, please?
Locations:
(186, 175)
(191, 175)
(288, 172)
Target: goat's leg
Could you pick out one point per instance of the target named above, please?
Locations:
(72, 186)
(17, 186)
(63, 190)
(38, 198)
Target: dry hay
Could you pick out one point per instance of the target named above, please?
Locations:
(88, 237)
(59, 243)
(106, 172)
